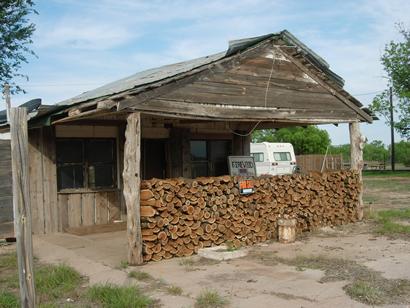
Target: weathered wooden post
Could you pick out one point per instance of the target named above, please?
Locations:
(357, 141)
(132, 181)
(21, 204)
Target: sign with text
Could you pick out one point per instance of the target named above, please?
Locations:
(246, 187)
(242, 166)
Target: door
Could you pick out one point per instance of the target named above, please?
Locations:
(153, 158)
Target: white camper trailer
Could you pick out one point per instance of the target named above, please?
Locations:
(273, 158)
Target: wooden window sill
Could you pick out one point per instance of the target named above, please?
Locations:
(86, 190)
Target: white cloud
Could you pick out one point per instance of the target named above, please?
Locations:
(86, 43)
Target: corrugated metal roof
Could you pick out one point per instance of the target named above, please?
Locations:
(154, 75)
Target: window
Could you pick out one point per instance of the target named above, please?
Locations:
(209, 157)
(282, 156)
(258, 157)
(86, 163)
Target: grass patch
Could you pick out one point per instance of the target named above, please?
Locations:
(192, 264)
(110, 296)
(388, 222)
(364, 292)
(210, 299)
(174, 290)
(8, 261)
(141, 276)
(386, 173)
(397, 185)
(8, 300)
(54, 281)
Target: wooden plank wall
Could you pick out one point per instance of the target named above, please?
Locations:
(88, 209)
(314, 162)
(46, 214)
(6, 196)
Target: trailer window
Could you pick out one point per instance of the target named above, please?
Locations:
(86, 163)
(282, 156)
(258, 157)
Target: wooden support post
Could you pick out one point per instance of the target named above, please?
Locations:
(131, 181)
(357, 141)
(21, 204)
(241, 145)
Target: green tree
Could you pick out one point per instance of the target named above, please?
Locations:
(343, 149)
(375, 151)
(403, 152)
(396, 63)
(309, 140)
(15, 37)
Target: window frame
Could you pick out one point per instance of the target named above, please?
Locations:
(259, 154)
(208, 161)
(85, 164)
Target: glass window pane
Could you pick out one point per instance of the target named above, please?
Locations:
(198, 150)
(282, 156)
(69, 151)
(100, 151)
(70, 176)
(101, 176)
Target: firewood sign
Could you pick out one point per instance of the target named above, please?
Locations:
(242, 166)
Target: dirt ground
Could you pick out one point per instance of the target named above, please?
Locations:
(316, 271)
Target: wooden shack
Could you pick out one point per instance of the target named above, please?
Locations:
(89, 154)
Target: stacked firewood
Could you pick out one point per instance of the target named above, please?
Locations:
(180, 216)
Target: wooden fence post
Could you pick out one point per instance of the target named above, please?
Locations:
(357, 141)
(131, 190)
(21, 204)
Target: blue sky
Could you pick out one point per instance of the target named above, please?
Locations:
(84, 44)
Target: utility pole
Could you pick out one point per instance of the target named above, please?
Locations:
(7, 97)
(392, 157)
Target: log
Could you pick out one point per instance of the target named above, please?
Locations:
(190, 214)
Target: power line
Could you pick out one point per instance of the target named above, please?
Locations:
(369, 93)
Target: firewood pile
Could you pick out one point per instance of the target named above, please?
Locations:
(180, 216)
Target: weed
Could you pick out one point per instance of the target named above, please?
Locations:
(366, 286)
(8, 300)
(141, 276)
(230, 246)
(210, 299)
(123, 264)
(364, 292)
(186, 262)
(110, 296)
(174, 290)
